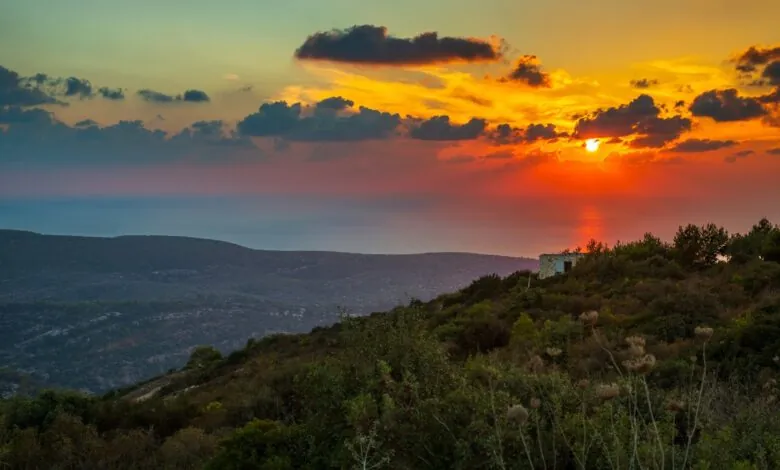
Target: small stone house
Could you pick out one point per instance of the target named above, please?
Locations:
(557, 263)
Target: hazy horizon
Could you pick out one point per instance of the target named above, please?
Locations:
(304, 224)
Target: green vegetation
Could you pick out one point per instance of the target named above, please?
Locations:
(646, 355)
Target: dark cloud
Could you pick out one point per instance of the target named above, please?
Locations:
(505, 134)
(279, 119)
(772, 73)
(368, 44)
(617, 121)
(115, 94)
(78, 87)
(19, 115)
(195, 96)
(336, 103)
(657, 132)
(440, 128)
(736, 156)
(35, 137)
(211, 133)
(726, 105)
(527, 70)
(755, 57)
(272, 119)
(644, 83)
(85, 123)
(775, 151)
(155, 96)
(771, 98)
(640, 117)
(18, 91)
(679, 104)
(701, 145)
(42, 89)
(191, 96)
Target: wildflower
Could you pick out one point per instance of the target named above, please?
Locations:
(703, 332)
(583, 384)
(640, 365)
(517, 414)
(536, 403)
(636, 346)
(635, 341)
(553, 352)
(590, 317)
(607, 391)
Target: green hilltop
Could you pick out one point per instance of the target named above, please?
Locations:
(646, 355)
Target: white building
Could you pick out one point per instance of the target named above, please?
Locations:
(557, 263)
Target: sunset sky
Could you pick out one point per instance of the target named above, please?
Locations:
(498, 126)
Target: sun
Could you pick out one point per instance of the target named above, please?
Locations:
(592, 145)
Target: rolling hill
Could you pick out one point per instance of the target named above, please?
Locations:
(97, 313)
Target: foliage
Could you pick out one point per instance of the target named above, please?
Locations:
(647, 355)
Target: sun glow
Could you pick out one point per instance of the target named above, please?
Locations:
(592, 145)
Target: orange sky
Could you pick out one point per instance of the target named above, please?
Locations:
(484, 131)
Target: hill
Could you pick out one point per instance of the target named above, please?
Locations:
(648, 355)
(98, 313)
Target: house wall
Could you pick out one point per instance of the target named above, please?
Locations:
(550, 265)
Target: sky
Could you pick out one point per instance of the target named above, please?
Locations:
(498, 126)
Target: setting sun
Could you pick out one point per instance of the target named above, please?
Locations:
(592, 145)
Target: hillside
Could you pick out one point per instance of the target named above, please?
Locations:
(98, 313)
(647, 355)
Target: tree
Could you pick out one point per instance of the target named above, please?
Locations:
(743, 248)
(771, 248)
(700, 246)
(203, 356)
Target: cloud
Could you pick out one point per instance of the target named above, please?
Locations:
(505, 134)
(41, 89)
(527, 70)
(19, 115)
(772, 73)
(750, 60)
(195, 96)
(280, 119)
(640, 117)
(85, 123)
(191, 96)
(34, 136)
(368, 44)
(78, 87)
(17, 91)
(774, 151)
(115, 94)
(643, 83)
(657, 132)
(440, 128)
(736, 156)
(701, 145)
(336, 103)
(726, 106)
